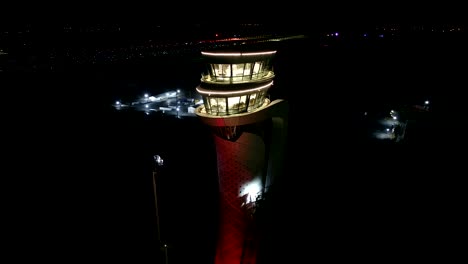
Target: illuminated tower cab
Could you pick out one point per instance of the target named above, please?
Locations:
(250, 137)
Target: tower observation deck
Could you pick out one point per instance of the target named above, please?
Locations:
(250, 137)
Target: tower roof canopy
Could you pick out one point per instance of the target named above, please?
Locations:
(228, 56)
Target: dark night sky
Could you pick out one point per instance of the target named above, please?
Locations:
(326, 14)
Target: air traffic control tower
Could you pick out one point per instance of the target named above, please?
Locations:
(250, 134)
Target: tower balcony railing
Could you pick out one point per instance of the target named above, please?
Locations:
(224, 79)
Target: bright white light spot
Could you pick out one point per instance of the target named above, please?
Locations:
(426, 102)
(388, 129)
(251, 190)
(394, 118)
(117, 102)
(158, 160)
(146, 106)
(152, 98)
(146, 95)
(178, 90)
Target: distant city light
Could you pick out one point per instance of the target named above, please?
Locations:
(146, 95)
(117, 102)
(146, 106)
(426, 102)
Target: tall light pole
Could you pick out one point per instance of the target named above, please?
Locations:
(156, 206)
(158, 162)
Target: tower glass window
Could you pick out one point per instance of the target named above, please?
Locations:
(234, 83)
